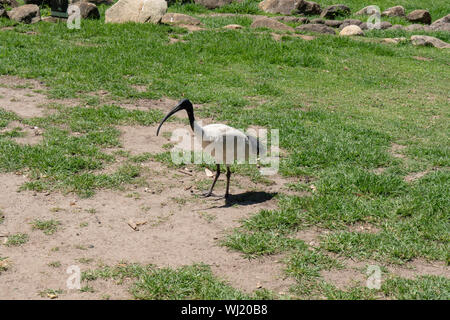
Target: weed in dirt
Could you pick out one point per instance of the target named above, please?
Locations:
(54, 264)
(17, 239)
(49, 227)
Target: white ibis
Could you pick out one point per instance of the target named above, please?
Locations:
(240, 146)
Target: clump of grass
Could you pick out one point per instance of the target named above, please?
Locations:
(49, 227)
(188, 282)
(421, 288)
(17, 240)
(54, 264)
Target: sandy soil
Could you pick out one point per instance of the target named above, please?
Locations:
(175, 225)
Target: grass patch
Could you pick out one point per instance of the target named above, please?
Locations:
(189, 282)
(16, 240)
(49, 227)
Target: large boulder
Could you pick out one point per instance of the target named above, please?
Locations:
(429, 41)
(264, 22)
(213, 4)
(337, 10)
(351, 30)
(317, 28)
(28, 13)
(178, 18)
(9, 3)
(421, 16)
(309, 7)
(88, 10)
(136, 11)
(442, 24)
(279, 6)
(397, 11)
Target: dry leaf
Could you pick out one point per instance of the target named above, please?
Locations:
(52, 295)
(133, 225)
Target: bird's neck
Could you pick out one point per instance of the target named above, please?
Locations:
(191, 118)
(197, 128)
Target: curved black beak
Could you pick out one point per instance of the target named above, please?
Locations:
(174, 110)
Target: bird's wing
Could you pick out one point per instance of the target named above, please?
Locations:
(215, 132)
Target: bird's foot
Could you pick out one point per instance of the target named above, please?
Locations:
(208, 194)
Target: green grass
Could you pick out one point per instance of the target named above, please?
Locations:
(194, 282)
(339, 104)
(49, 227)
(421, 288)
(16, 240)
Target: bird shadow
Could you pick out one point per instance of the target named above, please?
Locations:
(248, 198)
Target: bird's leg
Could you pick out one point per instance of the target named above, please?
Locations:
(209, 193)
(228, 182)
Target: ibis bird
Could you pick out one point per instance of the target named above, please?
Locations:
(228, 144)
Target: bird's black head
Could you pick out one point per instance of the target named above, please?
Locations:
(184, 104)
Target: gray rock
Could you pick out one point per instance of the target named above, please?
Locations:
(442, 24)
(397, 27)
(394, 40)
(309, 7)
(88, 10)
(9, 3)
(333, 23)
(385, 25)
(178, 18)
(318, 28)
(136, 11)
(351, 30)
(213, 4)
(349, 22)
(28, 13)
(365, 11)
(318, 21)
(338, 10)
(397, 11)
(421, 16)
(279, 6)
(420, 40)
(414, 27)
(264, 22)
(292, 19)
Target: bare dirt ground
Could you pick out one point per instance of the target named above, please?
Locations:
(174, 225)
